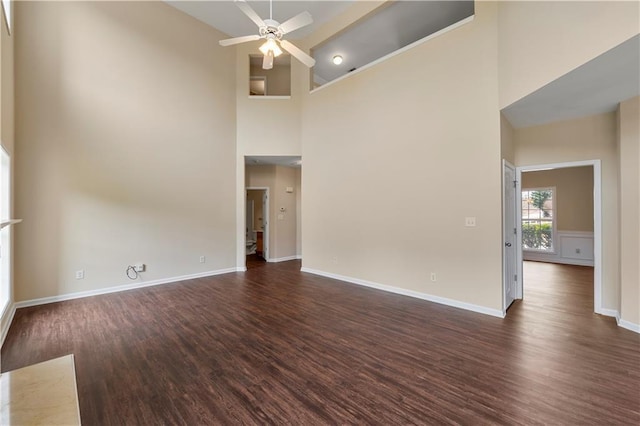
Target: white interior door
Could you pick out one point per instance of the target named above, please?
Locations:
(509, 258)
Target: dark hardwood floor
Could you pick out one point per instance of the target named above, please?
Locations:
(277, 346)
(255, 261)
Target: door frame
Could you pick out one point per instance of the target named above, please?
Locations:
(505, 164)
(597, 225)
(265, 214)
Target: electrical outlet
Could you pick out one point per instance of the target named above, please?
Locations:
(139, 267)
(80, 274)
(433, 277)
(203, 259)
(334, 259)
(470, 221)
(577, 251)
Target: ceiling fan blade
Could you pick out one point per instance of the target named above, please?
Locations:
(238, 40)
(298, 21)
(297, 53)
(267, 62)
(248, 10)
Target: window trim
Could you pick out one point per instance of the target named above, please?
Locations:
(7, 9)
(554, 220)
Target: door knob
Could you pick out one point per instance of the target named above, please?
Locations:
(507, 244)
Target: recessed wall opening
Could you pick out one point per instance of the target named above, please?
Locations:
(273, 231)
(403, 22)
(557, 223)
(270, 82)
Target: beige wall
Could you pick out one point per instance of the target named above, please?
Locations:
(282, 225)
(540, 41)
(278, 79)
(285, 222)
(125, 145)
(264, 127)
(587, 138)
(418, 155)
(298, 189)
(629, 155)
(506, 139)
(573, 197)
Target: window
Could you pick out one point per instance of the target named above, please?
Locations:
(538, 216)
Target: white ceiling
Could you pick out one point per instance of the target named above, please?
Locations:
(593, 88)
(225, 16)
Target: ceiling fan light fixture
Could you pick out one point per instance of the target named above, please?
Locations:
(271, 45)
(337, 60)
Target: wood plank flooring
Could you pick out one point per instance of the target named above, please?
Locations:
(277, 346)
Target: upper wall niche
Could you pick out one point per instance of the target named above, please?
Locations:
(391, 27)
(272, 82)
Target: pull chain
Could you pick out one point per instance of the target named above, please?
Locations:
(271, 9)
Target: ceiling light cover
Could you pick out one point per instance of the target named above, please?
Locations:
(271, 45)
(337, 60)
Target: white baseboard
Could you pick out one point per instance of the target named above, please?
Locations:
(418, 295)
(535, 257)
(609, 313)
(118, 288)
(282, 259)
(628, 325)
(621, 323)
(298, 257)
(6, 320)
(241, 269)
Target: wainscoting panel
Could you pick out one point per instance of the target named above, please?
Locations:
(572, 248)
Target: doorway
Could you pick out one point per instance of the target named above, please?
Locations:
(257, 225)
(540, 235)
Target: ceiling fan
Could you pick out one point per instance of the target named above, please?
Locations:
(273, 31)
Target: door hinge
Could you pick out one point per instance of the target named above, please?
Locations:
(515, 278)
(515, 230)
(515, 183)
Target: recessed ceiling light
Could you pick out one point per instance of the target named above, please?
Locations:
(337, 60)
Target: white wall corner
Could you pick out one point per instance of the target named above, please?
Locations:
(418, 295)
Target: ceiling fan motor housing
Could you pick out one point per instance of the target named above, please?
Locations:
(271, 28)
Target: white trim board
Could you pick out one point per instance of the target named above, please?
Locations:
(282, 259)
(7, 319)
(628, 325)
(418, 295)
(610, 313)
(119, 288)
